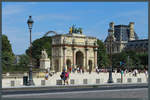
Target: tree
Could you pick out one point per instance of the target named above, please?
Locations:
(24, 61)
(102, 57)
(22, 65)
(131, 60)
(37, 46)
(7, 54)
(143, 57)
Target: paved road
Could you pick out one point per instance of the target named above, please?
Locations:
(115, 93)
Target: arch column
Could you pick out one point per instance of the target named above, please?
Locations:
(86, 58)
(95, 57)
(52, 69)
(73, 56)
(64, 57)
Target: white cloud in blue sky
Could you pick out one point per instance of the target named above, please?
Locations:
(93, 17)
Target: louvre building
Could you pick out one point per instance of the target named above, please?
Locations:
(124, 37)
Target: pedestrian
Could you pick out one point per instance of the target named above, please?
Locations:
(78, 69)
(70, 69)
(63, 75)
(67, 77)
(83, 70)
(97, 70)
(125, 72)
(135, 72)
(46, 75)
(73, 70)
(146, 73)
(121, 76)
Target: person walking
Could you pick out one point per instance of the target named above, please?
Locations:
(78, 69)
(67, 77)
(46, 75)
(146, 74)
(63, 75)
(121, 76)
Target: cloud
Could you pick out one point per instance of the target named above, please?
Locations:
(12, 9)
(55, 16)
(131, 13)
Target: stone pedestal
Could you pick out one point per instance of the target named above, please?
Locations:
(45, 63)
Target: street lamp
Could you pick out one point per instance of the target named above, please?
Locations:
(110, 79)
(30, 23)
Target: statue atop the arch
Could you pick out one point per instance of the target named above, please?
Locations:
(44, 54)
(73, 29)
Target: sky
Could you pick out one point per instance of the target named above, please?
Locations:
(93, 17)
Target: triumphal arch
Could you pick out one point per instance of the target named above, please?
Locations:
(74, 49)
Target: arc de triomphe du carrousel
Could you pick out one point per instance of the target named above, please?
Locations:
(74, 50)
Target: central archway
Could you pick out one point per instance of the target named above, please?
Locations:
(68, 62)
(79, 59)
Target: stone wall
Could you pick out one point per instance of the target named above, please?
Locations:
(77, 79)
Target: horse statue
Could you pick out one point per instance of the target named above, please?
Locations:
(73, 29)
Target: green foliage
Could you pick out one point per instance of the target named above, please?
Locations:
(22, 66)
(117, 57)
(24, 61)
(102, 57)
(6, 46)
(37, 46)
(131, 60)
(7, 54)
(8, 58)
(143, 57)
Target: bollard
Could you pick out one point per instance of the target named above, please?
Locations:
(72, 81)
(12, 83)
(97, 81)
(85, 81)
(42, 82)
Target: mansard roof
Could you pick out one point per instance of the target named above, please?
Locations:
(122, 33)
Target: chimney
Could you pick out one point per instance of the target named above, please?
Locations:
(110, 31)
(111, 25)
(111, 28)
(131, 28)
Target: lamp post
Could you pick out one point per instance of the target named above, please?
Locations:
(110, 79)
(128, 63)
(30, 23)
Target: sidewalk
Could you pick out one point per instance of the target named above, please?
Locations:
(110, 85)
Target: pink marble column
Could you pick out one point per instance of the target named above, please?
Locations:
(86, 60)
(74, 60)
(64, 55)
(73, 56)
(95, 57)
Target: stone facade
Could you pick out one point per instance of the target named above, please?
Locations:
(123, 38)
(74, 50)
(138, 45)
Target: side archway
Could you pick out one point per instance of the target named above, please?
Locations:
(56, 67)
(68, 63)
(90, 66)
